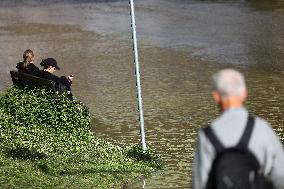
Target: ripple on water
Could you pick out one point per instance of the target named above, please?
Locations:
(175, 88)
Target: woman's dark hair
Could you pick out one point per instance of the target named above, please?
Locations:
(27, 57)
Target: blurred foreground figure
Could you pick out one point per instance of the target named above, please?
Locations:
(237, 150)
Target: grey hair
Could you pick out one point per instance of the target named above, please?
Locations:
(229, 82)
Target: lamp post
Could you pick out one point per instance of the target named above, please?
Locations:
(137, 73)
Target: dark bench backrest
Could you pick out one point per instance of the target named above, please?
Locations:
(22, 79)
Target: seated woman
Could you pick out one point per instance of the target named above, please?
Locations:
(27, 66)
(49, 67)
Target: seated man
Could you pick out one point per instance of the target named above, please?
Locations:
(49, 67)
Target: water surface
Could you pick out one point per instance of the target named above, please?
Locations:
(181, 44)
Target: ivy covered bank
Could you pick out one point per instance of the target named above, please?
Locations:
(45, 142)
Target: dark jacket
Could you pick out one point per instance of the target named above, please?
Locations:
(30, 69)
(60, 81)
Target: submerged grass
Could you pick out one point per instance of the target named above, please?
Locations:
(45, 142)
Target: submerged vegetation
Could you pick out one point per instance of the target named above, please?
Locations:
(45, 142)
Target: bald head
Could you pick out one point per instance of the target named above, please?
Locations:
(228, 83)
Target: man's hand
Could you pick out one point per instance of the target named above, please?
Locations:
(70, 77)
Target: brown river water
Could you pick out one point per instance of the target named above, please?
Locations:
(181, 44)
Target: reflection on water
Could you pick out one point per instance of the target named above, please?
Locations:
(179, 40)
(264, 5)
(235, 32)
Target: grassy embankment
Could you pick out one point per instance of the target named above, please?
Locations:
(45, 142)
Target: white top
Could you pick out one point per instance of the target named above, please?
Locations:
(228, 128)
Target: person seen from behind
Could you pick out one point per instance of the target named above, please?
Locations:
(237, 150)
(27, 65)
(49, 67)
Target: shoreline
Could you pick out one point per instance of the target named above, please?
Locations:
(36, 151)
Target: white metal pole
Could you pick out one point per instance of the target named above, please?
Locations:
(138, 84)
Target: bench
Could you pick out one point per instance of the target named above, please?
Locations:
(26, 80)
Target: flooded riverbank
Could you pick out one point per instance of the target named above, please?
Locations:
(178, 54)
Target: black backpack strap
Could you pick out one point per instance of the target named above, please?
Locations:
(243, 143)
(213, 139)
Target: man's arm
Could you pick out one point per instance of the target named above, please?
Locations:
(268, 148)
(277, 168)
(196, 177)
(203, 158)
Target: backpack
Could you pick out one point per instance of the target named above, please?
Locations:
(235, 167)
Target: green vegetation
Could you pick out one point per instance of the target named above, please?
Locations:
(45, 142)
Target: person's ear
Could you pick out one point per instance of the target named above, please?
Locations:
(216, 95)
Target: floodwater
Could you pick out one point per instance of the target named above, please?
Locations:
(181, 44)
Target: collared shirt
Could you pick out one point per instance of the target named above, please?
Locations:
(229, 127)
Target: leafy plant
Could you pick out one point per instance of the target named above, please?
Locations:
(46, 142)
(149, 156)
